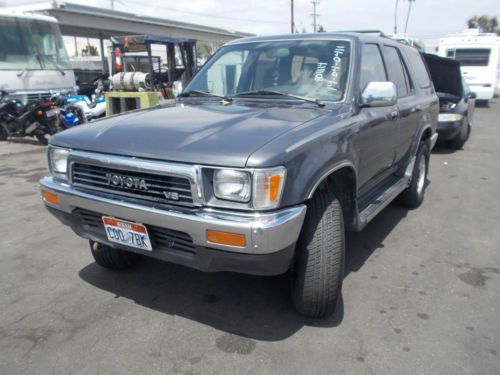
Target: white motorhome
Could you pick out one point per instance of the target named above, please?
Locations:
(478, 54)
(33, 59)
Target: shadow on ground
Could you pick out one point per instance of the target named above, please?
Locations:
(249, 306)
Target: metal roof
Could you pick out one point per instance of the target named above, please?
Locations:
(86, 21)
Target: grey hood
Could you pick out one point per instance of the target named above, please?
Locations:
(207, 133)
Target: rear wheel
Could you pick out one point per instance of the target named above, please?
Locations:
(319, 265)
(44, 133)
(111, 258)
(413, 196)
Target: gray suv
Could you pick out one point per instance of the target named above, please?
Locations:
(276, 147)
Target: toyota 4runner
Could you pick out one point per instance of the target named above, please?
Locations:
(275, 148)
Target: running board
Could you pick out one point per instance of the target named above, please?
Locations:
(373, 209)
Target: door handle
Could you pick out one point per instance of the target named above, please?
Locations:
(415, 109)
(393, 115)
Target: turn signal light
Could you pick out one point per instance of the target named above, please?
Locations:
(225, 238)
(49, 197)
(39, 112)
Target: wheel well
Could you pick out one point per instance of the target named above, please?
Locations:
(342, 183)
(426, 135)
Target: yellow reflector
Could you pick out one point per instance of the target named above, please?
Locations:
(274, 185)
(49, 197)
(225, 238)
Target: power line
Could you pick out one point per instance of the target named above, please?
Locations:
(314, 14)
(204, 14)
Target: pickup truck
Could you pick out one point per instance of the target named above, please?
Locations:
(275, 148)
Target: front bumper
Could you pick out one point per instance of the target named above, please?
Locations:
(448, 129)
(270, 237)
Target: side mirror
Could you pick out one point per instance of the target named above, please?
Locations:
(471, 95)
(379, 94)
(177, 88)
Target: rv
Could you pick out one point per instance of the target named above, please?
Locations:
(478, 55)
(33, 59)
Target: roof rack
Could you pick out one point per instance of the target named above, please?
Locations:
(374, 32)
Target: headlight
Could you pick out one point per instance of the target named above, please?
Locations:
(232, 185)
(449, 117)
(58, 159)
(268, 187)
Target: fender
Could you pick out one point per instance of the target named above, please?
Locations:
(337, 166)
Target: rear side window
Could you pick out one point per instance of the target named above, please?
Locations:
(470, 56)
(420, 73)
(397, 71)
(372, 66)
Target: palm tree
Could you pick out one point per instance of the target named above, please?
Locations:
(484, 23)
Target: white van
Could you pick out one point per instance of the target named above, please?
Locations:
(478, 54)
(33, 59)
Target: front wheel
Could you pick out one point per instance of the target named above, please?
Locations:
(413, 196)
(111, 258)
(3, 133)
(458, 142)
(318, 271)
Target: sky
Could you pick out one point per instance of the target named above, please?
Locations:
(429, 20)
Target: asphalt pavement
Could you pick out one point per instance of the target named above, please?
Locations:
(421, 291)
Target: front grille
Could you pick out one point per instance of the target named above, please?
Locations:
(33, 97)
(161, 238)
(161, 189)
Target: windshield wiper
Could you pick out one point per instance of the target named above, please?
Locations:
(273, 92)
(186, 94)
(37, 57)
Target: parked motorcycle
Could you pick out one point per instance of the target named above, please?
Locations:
(37, 119)
(69, 115)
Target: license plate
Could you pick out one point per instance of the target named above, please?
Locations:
(127, 233)
(50, 113)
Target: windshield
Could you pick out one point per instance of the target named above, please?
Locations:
(315, 69)
(470, 56)
(31, 44)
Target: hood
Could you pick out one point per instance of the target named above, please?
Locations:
(445, 74)
(205, 133)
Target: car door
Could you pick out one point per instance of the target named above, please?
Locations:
(408, 107)
(378, 130)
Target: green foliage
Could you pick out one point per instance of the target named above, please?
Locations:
(484, 23)
(90, 50)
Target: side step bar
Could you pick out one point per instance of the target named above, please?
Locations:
(385, 198)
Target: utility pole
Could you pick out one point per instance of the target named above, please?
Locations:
(314, 14)
(112, 3)
(292, 23)
(396, 18)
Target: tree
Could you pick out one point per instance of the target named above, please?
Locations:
(321, 29)
(205, 50)
(90, 50)
(484, 23)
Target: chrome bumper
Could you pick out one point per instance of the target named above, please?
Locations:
(265, 232)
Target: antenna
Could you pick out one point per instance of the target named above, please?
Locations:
(314, 15)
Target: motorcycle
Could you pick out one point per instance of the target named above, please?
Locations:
(69, 115)
(37, 119)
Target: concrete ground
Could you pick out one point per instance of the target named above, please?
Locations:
(421, 292)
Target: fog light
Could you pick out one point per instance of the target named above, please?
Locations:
(49, 197)
(226, 238)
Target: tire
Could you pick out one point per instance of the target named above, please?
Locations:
(3, 133)
(413, 196)
(318, 272)
(43, 137)
(111, 258)
(458, 142)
